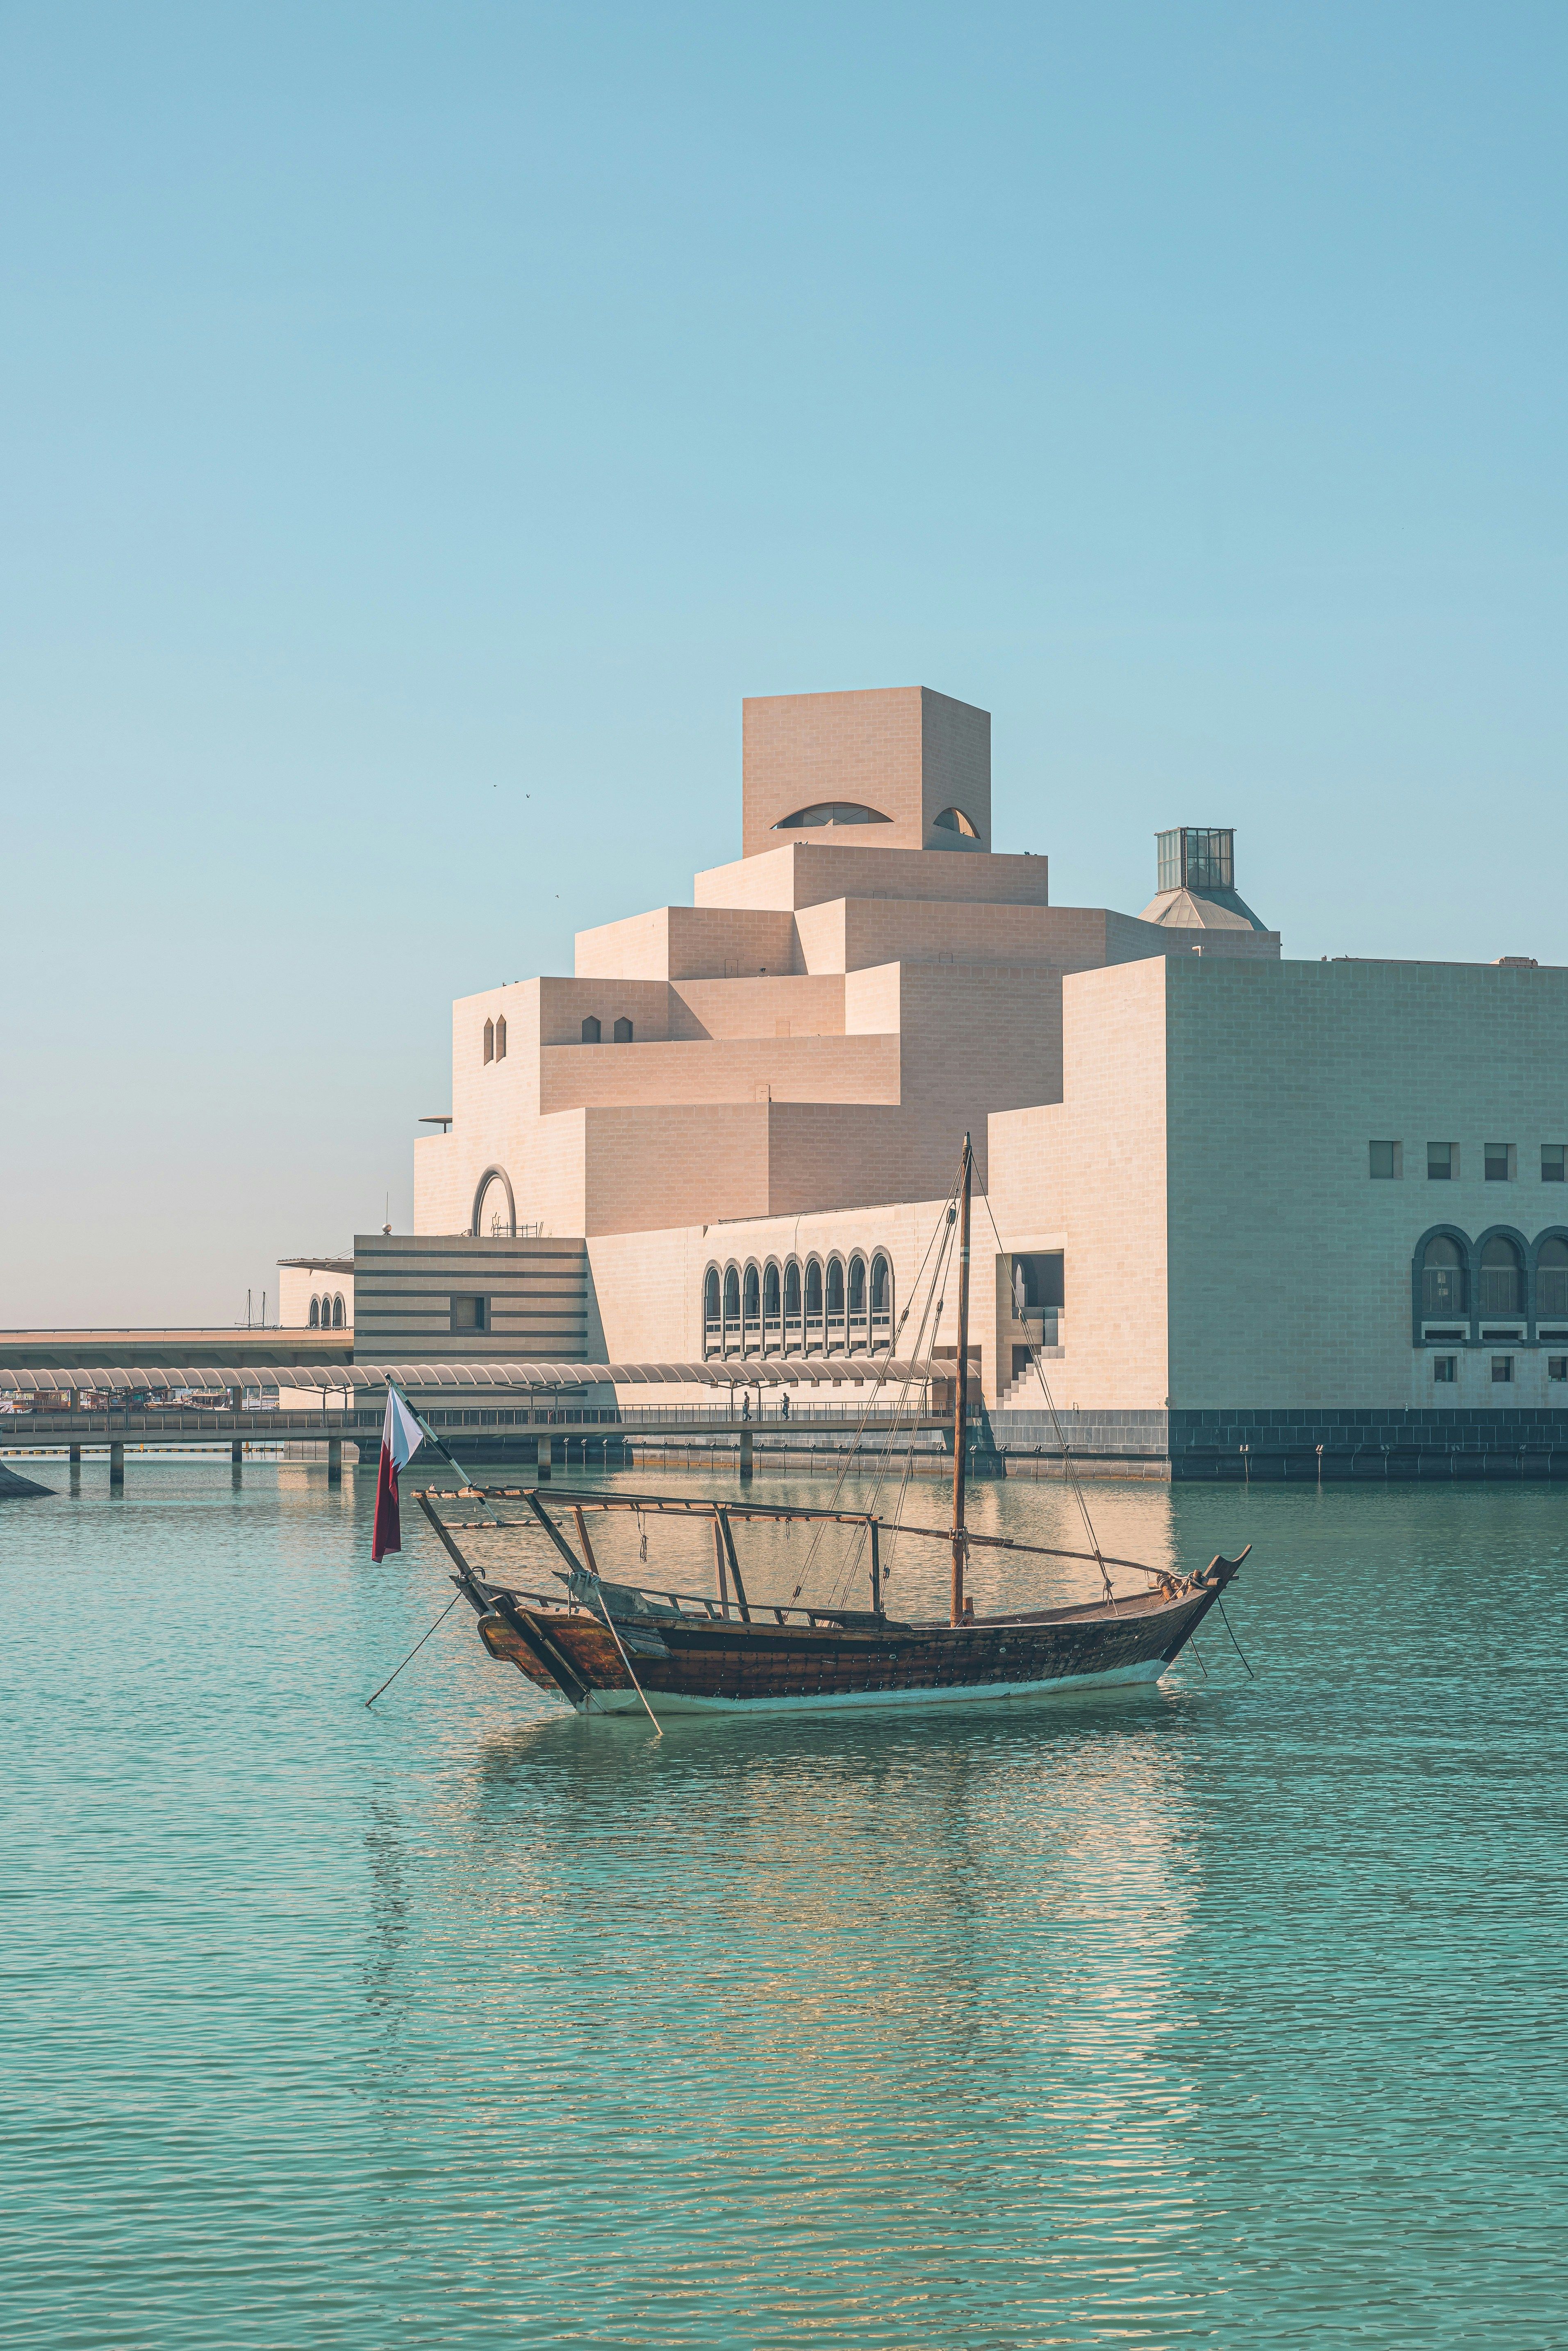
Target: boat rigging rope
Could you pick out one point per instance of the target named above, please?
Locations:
(943, 1231)
(1038, 1360)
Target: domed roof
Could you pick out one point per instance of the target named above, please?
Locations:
(1202, 910)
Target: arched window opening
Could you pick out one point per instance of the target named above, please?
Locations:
(1443, 1284)
(623, 1032)
(501, 1039)
(336, 1313)
(813, 1291)
(590, 1030)
(1551, 1277)
(835, 1286)
(857, 1288)
(494, 1211)
(953, 819)
(710, 1294)
(881, 1285)
(731, 1295)
(1502, 1276)
(752, 1295)
(315, 1314)
(770, 1294)
(821, 812)
(489, 1040)
(792, 1292)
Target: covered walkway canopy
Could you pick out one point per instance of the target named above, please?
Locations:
(769, 1371)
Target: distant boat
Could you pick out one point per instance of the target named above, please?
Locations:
(620, 1648)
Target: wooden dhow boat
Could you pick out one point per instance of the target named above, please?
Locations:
(613, 1648)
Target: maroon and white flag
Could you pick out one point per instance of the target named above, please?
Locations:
(401, 1437)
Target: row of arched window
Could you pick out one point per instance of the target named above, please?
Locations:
(496, 1039)
(815, 1305)
(593, 1031)
(327, 1313)
(1500, 1274)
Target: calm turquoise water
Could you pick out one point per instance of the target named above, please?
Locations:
(1231, 2014)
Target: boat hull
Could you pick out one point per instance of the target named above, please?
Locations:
(725, 1667)
(669, 1702)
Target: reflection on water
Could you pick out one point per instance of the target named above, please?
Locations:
(1223, 2012)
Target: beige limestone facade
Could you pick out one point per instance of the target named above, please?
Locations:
(1211, 1191)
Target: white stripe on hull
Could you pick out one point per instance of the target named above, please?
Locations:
(664, 1702)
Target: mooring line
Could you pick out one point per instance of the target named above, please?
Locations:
(415, 1650)
(1234, 1642)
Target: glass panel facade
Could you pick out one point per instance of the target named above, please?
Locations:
(1196, 857)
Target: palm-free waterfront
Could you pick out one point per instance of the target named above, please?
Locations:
(1229, 2014)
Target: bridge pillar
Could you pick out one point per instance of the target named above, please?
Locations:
(236, 1452)
(76, 1457)
(745, 1447)
(545, 1451)
(334, 1461)
(116, 1465)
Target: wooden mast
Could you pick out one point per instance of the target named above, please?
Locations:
(961, 1385)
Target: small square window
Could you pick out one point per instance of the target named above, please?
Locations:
(1385, 1158)
(1554, 1163)
(470, 1313)
(1557, 1367)
(1446, 1367)
(1442, 1162)
(1502, 1370)
(1500, 1162)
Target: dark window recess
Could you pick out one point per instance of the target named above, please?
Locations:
(500, 1041)
(731, 1295)
(590, 1030)
(835, 1287)
(857, 1285)
(1502, 1370)
(470, 1313)
(1023, 1357)
(623, 1032)
(1440, 1163)
(1551, 1277)
(1554, 1163)
(770, 1292)
(489, 1040)
(1557, 1367)
(1445, 1367)
(1498, 1156)
(814, 1290)
(1043, 1282)
(1443, 1283)
(1385, 1158)
(1502, 1278)
(1431, 1335)
(791, 1291)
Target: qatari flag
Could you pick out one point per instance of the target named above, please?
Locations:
(401, 1437)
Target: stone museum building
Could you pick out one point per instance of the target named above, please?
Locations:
(1244, 1200)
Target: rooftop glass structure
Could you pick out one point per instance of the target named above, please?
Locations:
(1197, 857)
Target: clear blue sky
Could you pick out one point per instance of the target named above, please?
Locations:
(421, 425)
